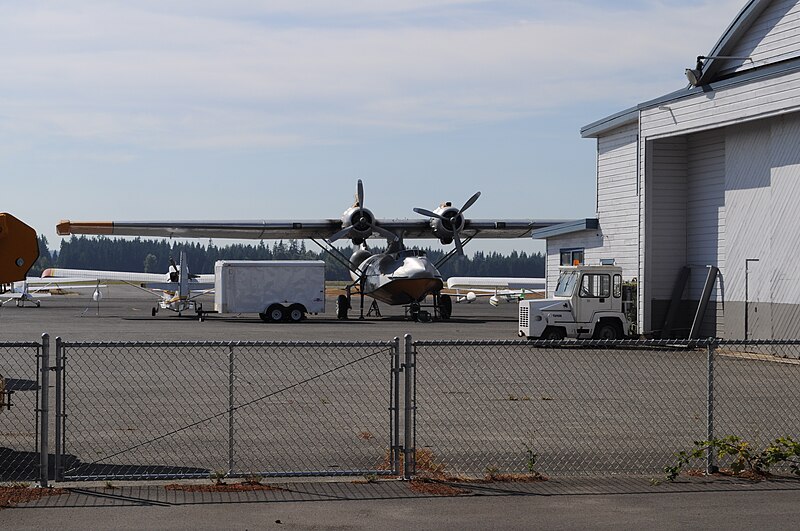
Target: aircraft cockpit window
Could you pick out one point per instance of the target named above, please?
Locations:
(410, 252)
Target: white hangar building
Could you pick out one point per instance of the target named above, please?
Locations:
(707, 176)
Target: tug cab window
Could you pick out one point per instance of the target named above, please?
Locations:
(595, 285)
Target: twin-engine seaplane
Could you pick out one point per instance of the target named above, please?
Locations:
(398, 276)
(177, 289)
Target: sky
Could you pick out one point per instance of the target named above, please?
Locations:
(188, 110)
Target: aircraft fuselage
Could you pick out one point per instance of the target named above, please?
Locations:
(399, 278)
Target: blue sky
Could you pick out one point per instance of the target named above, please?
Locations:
(155, 110)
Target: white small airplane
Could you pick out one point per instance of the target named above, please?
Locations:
(33, 288)
(177, 289)
(498, 289)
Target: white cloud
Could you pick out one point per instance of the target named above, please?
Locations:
(186, 75)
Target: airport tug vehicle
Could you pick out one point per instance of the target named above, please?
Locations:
(589, 302)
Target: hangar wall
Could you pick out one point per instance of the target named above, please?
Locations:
(727, 198)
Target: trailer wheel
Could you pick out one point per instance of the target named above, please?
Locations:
(342, 305)
(296, 313)
(276, 313)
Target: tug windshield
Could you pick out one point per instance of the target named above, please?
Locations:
(566, 284)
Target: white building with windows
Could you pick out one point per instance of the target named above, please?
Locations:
(706, 176)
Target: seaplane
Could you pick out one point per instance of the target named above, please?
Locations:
(397, 276)
(177, 290)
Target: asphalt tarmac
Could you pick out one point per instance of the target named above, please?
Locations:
(124, 314)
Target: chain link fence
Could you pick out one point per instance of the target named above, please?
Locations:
(147, 410)
(183, 410)
(19, 411)
(575, 408)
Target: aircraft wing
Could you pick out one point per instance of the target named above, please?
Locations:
(295, 229)
(490, 283)
(92, 274)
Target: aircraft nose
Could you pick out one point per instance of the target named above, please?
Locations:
(413, 267)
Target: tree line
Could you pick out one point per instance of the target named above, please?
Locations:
(153, 256)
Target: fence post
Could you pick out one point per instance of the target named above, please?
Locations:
(230, 408)
(409, 452)
(44, 410)
(710, 467)
(396, 407)
(59, 416)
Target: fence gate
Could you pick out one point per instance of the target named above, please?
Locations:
(212, 409)
(21, 455)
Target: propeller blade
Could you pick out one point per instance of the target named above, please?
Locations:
(360, 194)
(387, 234)
(428, 213)
(470, 202)
(457, 241)
(341, 234)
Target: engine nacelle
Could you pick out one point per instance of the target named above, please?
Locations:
(444, 229)
(360, 221)
(357, 260)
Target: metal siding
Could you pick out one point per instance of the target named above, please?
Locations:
(773, 37)
(617, 198)
(732, 105)
(667, 205)
(706, 210)
(785, 227)
(747, 197)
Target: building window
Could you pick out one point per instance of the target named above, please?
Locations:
(571, 257)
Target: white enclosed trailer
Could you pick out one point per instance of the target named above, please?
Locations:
(277, 290)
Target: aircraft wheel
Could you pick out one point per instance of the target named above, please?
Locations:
(276, 313)
(296, 313)
(414, 311)
(445, 306)
(154, 311)
(342, 305)
(38, 304)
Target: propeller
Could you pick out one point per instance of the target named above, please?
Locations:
(362, 221)
(452, 219)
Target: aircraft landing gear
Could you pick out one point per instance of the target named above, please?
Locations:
(342, 305)
(445, 306)
(417, 314)
(154, 311)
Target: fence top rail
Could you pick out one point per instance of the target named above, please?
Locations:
(17, 344)
(572, 343)
(90, 344)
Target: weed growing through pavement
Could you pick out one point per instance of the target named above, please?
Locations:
(747, 460)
